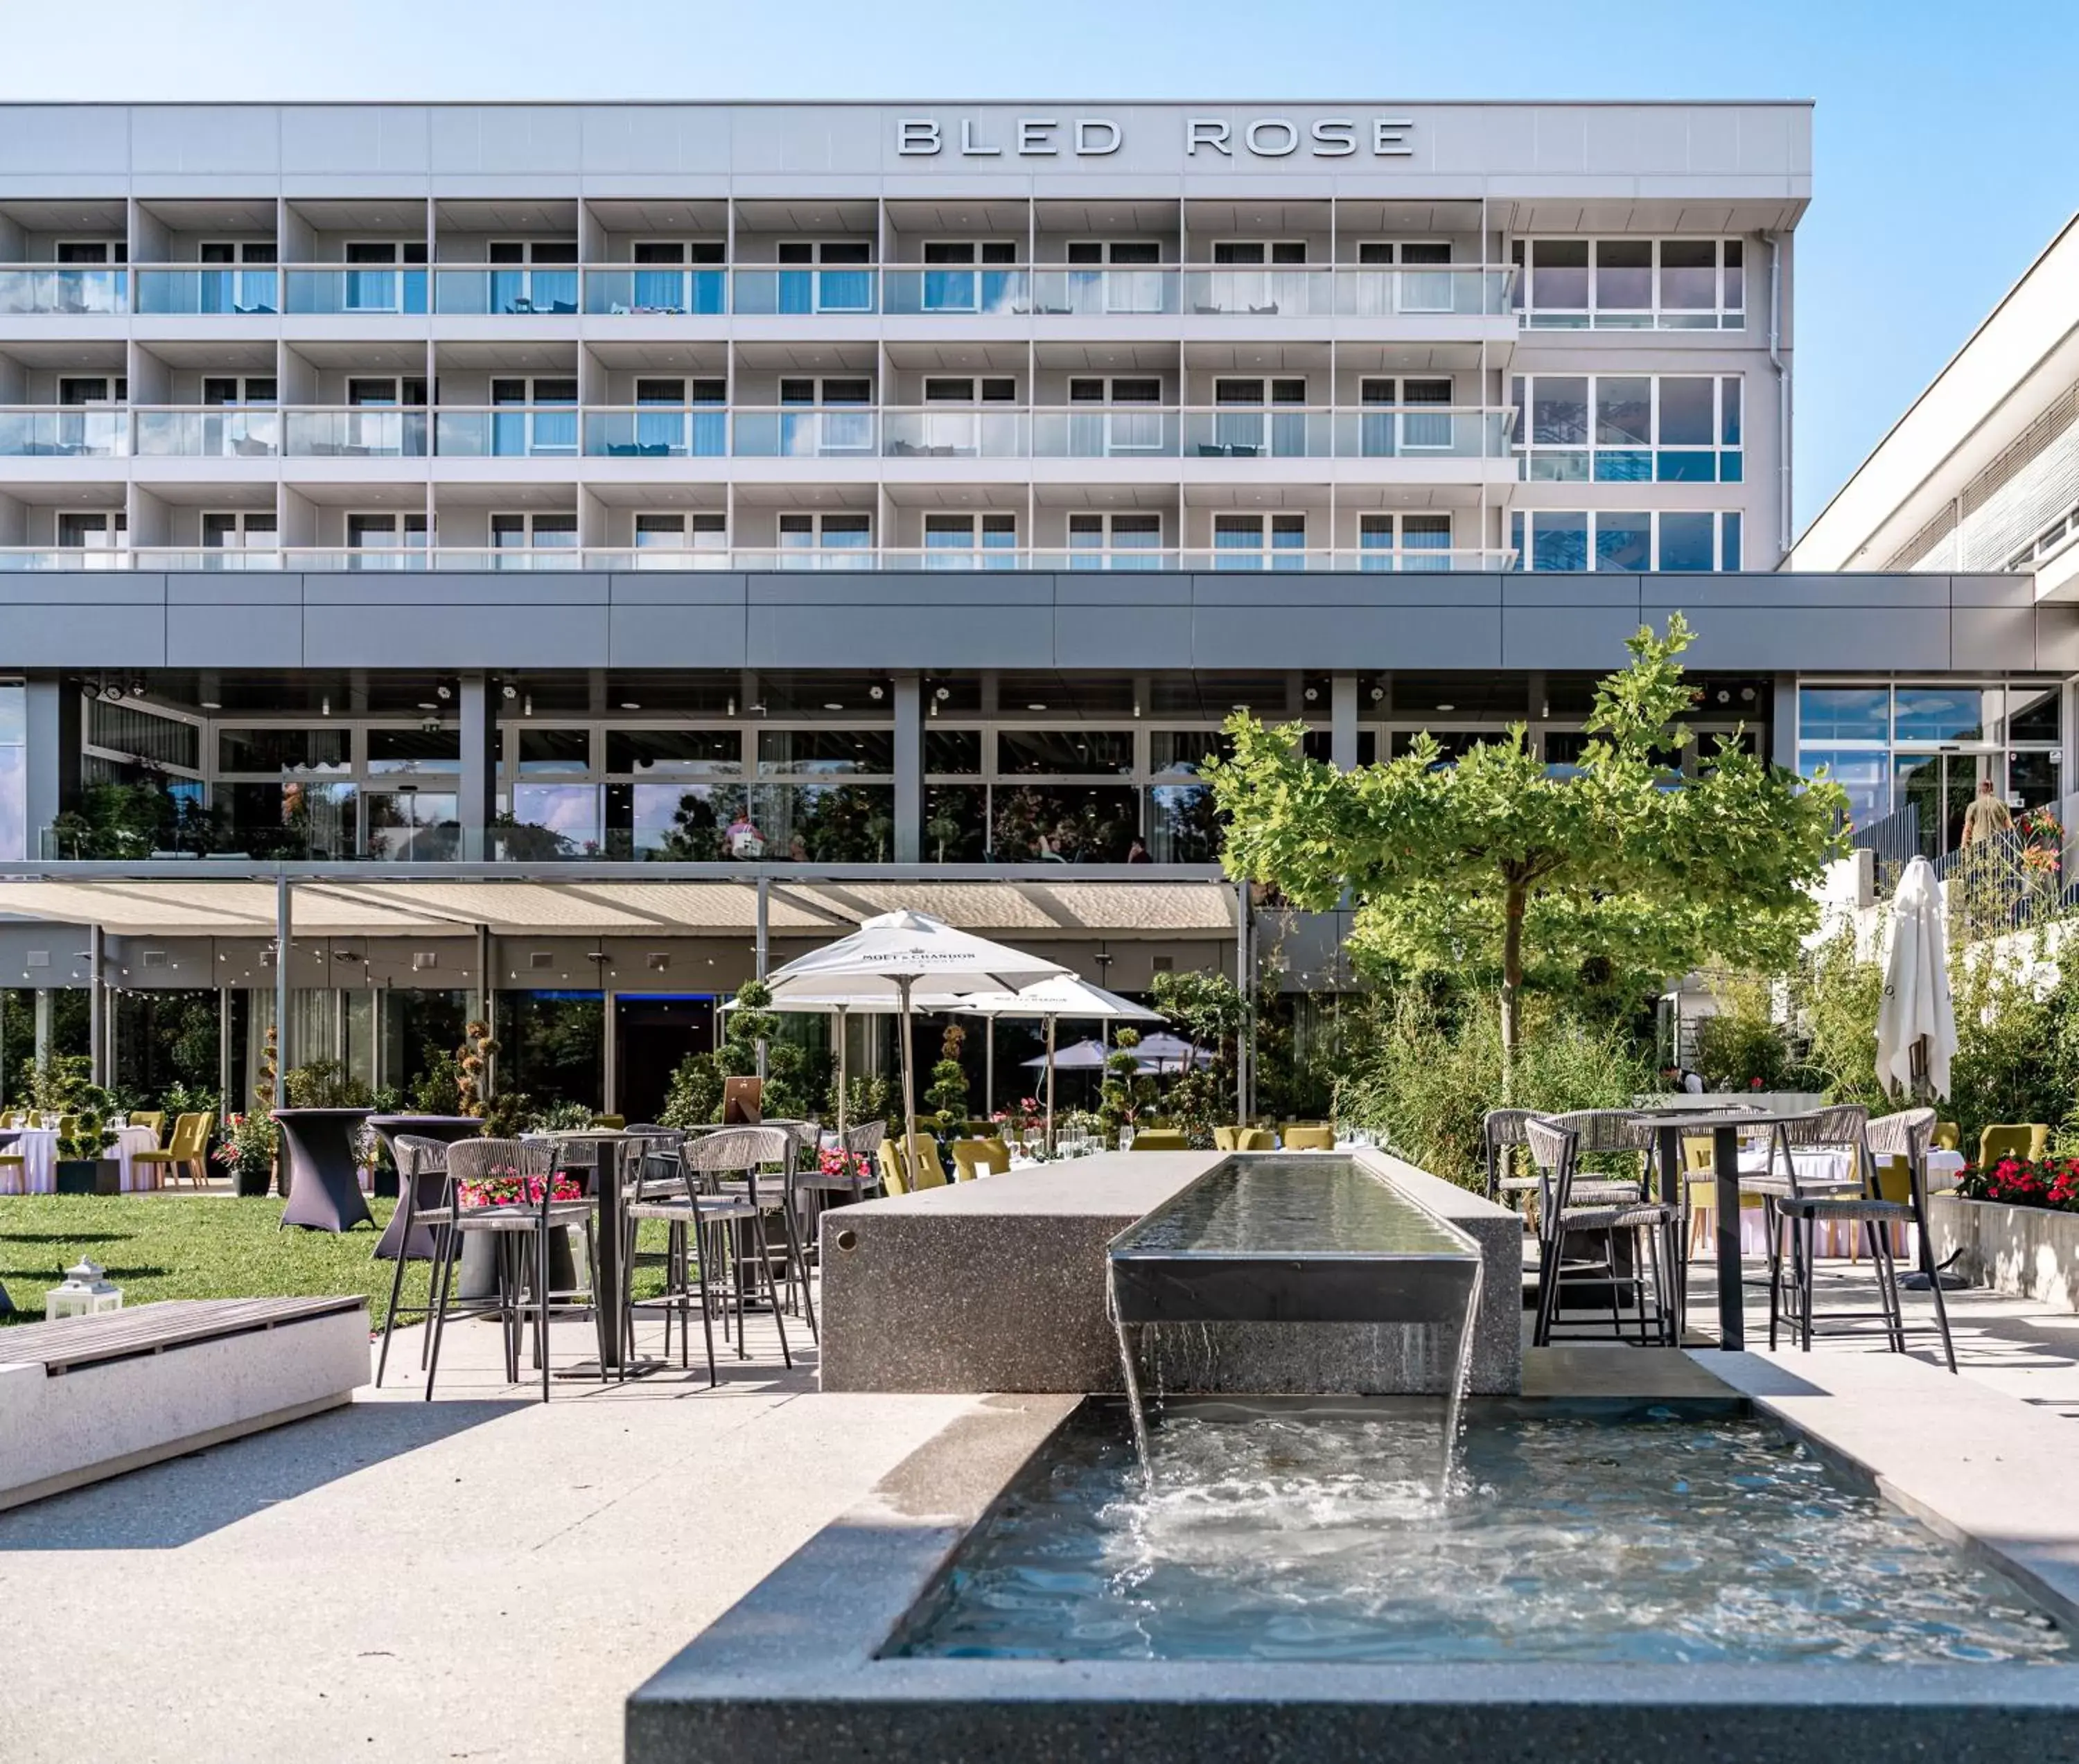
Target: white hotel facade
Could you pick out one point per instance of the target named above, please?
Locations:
(420, 493)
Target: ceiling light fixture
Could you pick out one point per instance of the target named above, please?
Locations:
(1442, 705)
(629, 704)
(1035, 707)
(831, 704)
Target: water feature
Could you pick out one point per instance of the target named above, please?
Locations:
(1314, 1532)
(1262, 1238)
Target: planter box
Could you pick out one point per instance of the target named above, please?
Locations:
(88, 1175)
(253, 1183)
(2027, 1251)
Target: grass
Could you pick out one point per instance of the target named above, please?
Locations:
(168, 1246)
(197, 1246)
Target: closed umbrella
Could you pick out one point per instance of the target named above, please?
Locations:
(1916, 1023)
(886, 960)
(1064, 996)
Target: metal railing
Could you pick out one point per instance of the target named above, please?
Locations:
(774, 289)
(1893, 842)
(1406, 560)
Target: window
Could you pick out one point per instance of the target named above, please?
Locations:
(840, 280)
(959, 542)
(944, 389)
(1116, 427)
(522, 542)
(677, 541)
(1403, 542)
(951, 283)
(1116, 275)
(236, 389)
(533, 275)
(1632, 284)
(376, 283)
(94, 531)
(237, 534)
(1387, 426)
(826, 541)
(249, 286)
(1239, 541)
(1116, 541)
(813, 427)
(1664, 539)
(1629, 428)
(662, 283)
(385, 541)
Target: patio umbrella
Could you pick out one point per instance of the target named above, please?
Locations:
(1916, 1023)
(884, 960)
(1064, 996)
(1155, 1054)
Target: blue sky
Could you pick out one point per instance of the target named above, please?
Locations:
(1944, 160)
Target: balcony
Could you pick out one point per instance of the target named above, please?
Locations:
(656, 291)
(805, 433)
(362, 290)
(529, 290)
(508, 431)
(355, 432)
(68, 289)
(219, 432)
(1367, 559)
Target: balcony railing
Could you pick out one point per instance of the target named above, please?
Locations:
(206, 288)
(65, 431)
(1405, 560)
(70, 289)
(1045, 291)
(1224, 432)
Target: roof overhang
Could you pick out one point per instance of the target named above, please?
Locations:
(235, 898)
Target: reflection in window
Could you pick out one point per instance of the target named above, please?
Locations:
(956, 823)
(1183, 826)
(1063, 824)
(412, 826)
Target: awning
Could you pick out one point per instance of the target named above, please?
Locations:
(202, 899)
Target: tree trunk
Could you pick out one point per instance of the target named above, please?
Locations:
(1511, 984)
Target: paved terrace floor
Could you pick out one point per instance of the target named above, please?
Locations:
(486, 1578)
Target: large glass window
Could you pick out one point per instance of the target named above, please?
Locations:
(676, 753)
(1629, 428)
(1064, 753)
(825, 752)
(1611, 539)
(1832, 713)
(1632, 284)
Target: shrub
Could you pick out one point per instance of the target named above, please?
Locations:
(693, 1098)
(1743, 1043)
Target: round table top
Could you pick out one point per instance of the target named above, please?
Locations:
(404, 1119)
(321, 1114)
(1724, 1115)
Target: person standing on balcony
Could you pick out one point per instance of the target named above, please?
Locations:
(1986, 816)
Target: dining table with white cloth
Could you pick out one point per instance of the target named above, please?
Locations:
(1822, 1167)
(38, 1149)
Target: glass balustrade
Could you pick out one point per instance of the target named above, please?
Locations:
(662, 289)
(1422, 432)
(227, 432)
(64, 288)
(647, 432)
(955, 290)
(1365, 292)
(207, 557)
(845, 290)
(359, 432)
(374, 290)
(1258, 291)
(505, 290)
(200, 289)
(945, 433)
(508, 431)
(819, 433)
(1264, 432)
(1076, 292)
(66, 432)
(1105, 432)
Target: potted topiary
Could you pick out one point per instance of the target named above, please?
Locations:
(83, 1166)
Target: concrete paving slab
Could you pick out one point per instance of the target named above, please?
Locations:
(480, 1576)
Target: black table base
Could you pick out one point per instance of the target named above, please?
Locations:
(321, 1151)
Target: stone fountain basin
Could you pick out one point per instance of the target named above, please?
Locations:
(1000, 1285)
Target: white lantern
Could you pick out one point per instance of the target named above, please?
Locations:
(82, 1293)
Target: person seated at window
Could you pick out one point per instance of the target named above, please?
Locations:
(797, 849)
(1137, 852)
(742, 839)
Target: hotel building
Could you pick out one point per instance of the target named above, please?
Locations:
(583, 552)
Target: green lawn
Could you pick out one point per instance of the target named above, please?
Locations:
(166, 1246)
(195, 1246)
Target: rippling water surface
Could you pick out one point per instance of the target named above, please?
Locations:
(1284, 1535)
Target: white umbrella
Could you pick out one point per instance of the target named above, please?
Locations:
(1064, 996)
(1916, 1023)
(884, 961)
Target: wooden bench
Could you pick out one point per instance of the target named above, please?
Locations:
(86, 1398)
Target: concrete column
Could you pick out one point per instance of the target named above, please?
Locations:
(908, 769)
(96, 1006)
(53, 737)
(1343, 722)
(476, 806)
(610, 1042)
(43, 1024)
(1783, 722)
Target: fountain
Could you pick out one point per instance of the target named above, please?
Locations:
(1265, 1239)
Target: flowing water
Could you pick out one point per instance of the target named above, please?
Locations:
(1317, 1533)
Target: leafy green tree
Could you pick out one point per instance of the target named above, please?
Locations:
(1494, 867)
(1209, 1012)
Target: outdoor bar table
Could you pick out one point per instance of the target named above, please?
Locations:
(447, 1129)
(322, 1149)
(1670, 1126)
(606, 1191)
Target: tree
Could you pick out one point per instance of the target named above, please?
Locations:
(948, 1092)
(1496, 866)
(1211, 1013)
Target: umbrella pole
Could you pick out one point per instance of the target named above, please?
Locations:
(909, 1077)
(841, 1075)
(1050, 1083)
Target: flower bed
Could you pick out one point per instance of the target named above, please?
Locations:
(2052, 1184)
(2014, 1227)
